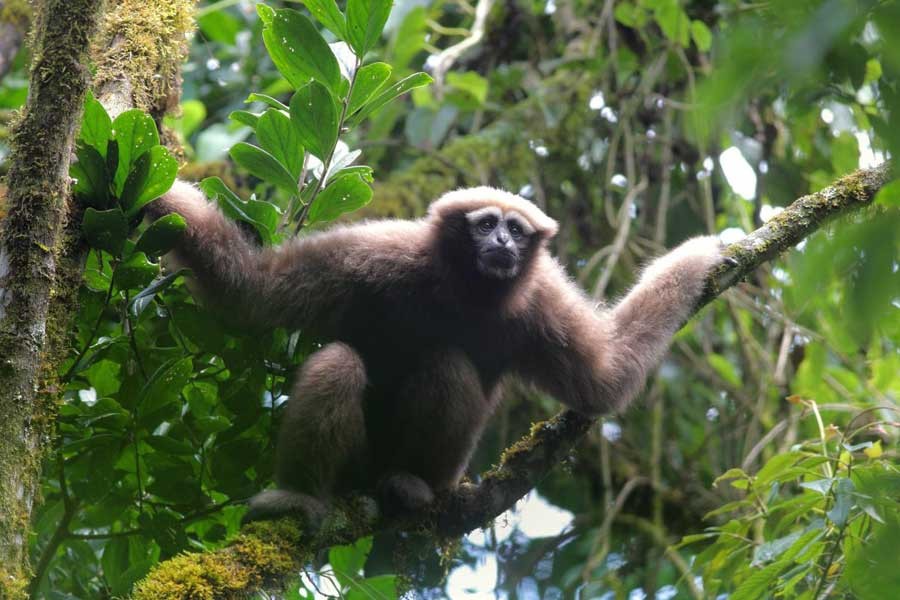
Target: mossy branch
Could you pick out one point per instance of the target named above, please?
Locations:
(267, 554)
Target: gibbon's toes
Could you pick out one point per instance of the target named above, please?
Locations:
(403, 493)
(273, 504)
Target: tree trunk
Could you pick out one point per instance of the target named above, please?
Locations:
(38, 182)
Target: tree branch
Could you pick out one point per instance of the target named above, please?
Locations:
(521, 466)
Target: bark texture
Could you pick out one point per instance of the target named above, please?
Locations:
(278, 548)
(38, 183)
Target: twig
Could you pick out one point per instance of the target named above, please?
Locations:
(449, 55)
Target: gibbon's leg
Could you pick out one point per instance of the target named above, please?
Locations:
(322, 436)
(442, 410)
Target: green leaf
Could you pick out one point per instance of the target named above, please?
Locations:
(349, 560)
(164, 386)
(365, 22)
(819, 485)
(889, 195)
(843, 501)
(96, 126)
(470, 84)
(725, 369)
(343, 195)
(135, 133)
(151, 176)
(630, 15)
(383, 587)
(299, 51)
(274, 103)
(701, 35)
(263, 165)
(168, 445)
(413, 81)
(674, 23)
(91, 177)
(105, 229)
(244, 117)
(732, 473)
(314, 114)
(135, 272)
(757, 584)
(263, 216)
(369, 79)
(143, 298)
(328, 14)
(777, 465)
(362, 170)
(162, 235)
(279, 137)
(266, 13)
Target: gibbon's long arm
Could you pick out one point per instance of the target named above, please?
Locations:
(304, 282)
(597, 361)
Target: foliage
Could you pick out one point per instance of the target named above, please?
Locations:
(628, 121)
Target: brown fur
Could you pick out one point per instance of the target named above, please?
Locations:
(398, 400)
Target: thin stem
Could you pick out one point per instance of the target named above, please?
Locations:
(326, 164)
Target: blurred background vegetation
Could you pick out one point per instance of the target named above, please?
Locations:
(636, 124)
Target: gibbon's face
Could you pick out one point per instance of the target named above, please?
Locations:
(501, 241)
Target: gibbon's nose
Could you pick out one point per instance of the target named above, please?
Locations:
(502, 237)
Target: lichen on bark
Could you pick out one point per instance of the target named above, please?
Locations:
(38, 182)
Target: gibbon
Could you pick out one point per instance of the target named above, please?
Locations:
(422, 320)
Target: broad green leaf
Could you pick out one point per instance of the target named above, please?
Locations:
(413, 81)
(369, 79)
(701, 35)
(342, 195)
(843, 500)
(263, 216)
(314, 114)
(143, 298)
(212, 424)
(274, 103)
(329, 15)
(674, 23)
(96, 126)
(263, 165)
(630, 15)
(769, 551)
(725, 369)
(135, 133)
(819, 485)
(732, 473)
(244, 117)
(135, 272)
(91, 177)
(115, 561)
(151, 176)
(365, 21)
(279, 137)
(193, 112)
(349, 560)
(162, 235)
(165, 385)
(266, 13)
(470, 84)
(300, 52)
(168, 445)
(362, 170)
(775, 467)
(382, 587)
(105, 229)
(889, 195)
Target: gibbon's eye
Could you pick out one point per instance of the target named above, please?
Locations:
(516, 229)
(487, 224)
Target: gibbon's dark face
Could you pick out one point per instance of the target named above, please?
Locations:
(501, 239)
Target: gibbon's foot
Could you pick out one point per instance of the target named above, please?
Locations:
(403, 493)
(273, 504)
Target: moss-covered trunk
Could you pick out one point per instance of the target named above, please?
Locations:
(38, 184)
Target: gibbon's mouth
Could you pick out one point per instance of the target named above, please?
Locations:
(499, 263)
(500, 258)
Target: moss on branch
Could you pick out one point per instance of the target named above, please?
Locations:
(530, 459)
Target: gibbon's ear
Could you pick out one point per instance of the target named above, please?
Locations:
(467, 200)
